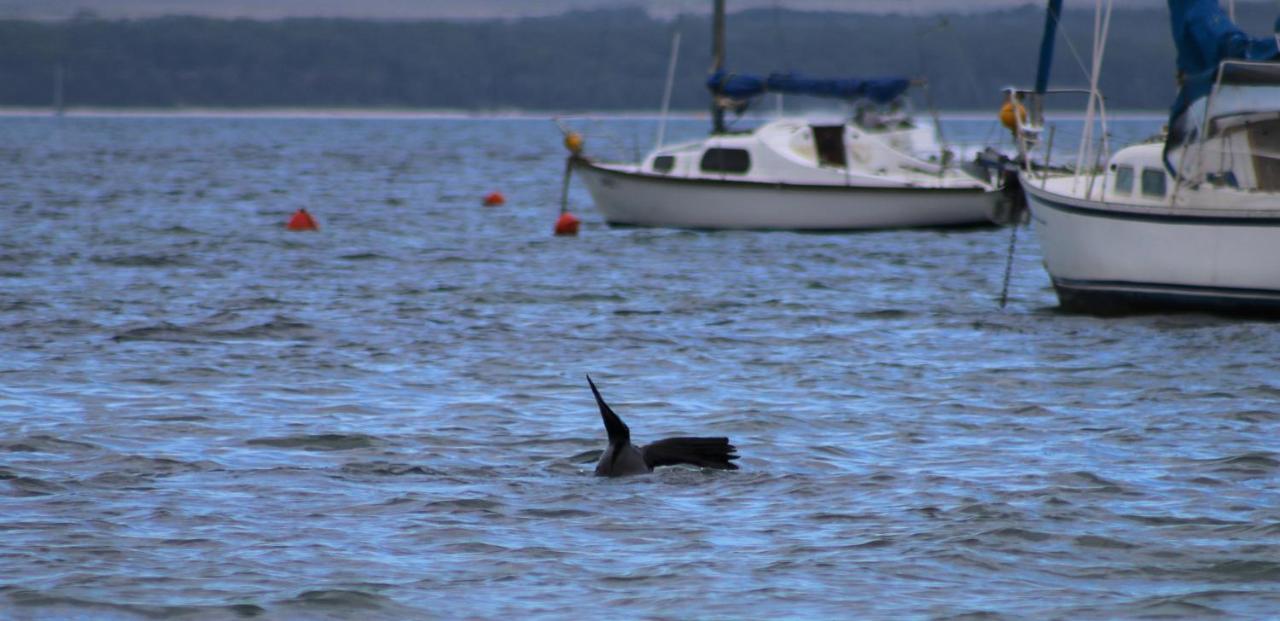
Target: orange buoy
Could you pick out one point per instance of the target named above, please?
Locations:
(494, 199)
(1011, 113)
(573, 142)
(567, 224)
(302, 221)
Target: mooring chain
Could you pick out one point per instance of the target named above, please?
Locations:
(1008, 262)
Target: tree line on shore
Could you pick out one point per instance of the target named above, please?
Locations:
(595, 60)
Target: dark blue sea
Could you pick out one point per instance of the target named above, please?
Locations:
(205, 416)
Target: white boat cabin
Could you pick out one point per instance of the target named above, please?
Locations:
(1243, 172)
(806, 152)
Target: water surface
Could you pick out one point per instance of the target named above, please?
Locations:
(203, 414)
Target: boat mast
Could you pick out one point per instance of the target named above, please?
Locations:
(717, 64)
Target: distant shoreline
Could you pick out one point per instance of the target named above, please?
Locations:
(473, 115)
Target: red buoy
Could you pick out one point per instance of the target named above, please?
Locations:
(494, 199)
(567, 224)
(302, 221)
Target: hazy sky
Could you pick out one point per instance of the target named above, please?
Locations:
(425, 9)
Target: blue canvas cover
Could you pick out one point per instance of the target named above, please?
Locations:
(741, 86)
(1051, 18)
(1205, 36)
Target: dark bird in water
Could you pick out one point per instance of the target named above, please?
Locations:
(623, 458)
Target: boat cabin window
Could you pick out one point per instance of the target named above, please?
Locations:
(726, 160)
(1124, 179)
(1153, 182)
(664, 163)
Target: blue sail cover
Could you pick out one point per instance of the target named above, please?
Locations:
(1051, 18)
(738, 86)
(1204, 37)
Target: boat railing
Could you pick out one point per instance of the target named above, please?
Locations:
(1030, 131)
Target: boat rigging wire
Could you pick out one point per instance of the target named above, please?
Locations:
(1071, 46)
(666, 92)
(942, 25)
(1101, 25)
(779, 45)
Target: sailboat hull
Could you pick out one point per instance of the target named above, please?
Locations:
(1106, 259)
(639, 199)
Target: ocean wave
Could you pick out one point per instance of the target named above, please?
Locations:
(319, 442)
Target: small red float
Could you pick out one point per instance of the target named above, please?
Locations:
(302, 221)
(494, 199)
(567, 224)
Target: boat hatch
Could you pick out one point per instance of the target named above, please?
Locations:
(721, 160)
(664, 163)
(829, 140)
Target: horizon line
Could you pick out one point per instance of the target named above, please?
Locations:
(377, 113)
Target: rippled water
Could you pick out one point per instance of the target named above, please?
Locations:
(204, 414)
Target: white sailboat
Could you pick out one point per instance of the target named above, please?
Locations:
(1189, 221)
(873, 171)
